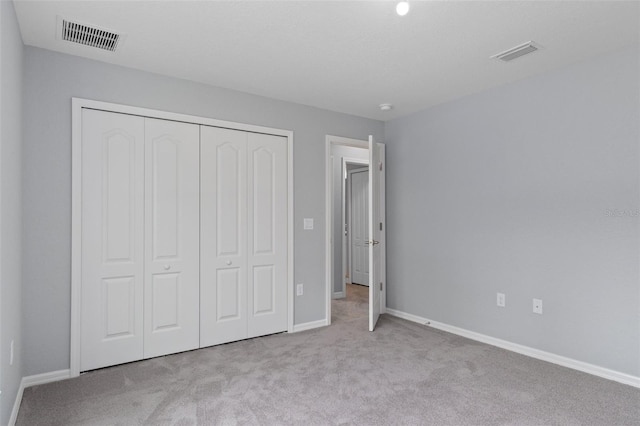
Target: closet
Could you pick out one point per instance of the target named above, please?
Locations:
(244, 210)
(183, 234)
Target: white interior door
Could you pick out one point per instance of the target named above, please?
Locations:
(223, 291)
(267, 234)
(359, 225)
(172, 216)
(112, 239)
(376, 169)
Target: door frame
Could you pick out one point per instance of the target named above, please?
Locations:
(329, 243)
(77, 105)
(347, 260)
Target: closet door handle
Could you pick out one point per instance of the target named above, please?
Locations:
(167, 267)
(228, 262)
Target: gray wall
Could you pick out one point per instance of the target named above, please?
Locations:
(509, 191)
(51, 79)
(338, 152)
(11, 67)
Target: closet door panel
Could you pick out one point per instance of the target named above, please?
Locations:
(228, 294)
(267, 227)
(172, 237)
(112, 239)
(223, 288)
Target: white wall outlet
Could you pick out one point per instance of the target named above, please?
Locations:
(537, 306)
(11, 354)
(308, 223)
(501, 300)
(299, 289)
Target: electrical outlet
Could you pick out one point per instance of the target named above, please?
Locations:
(299, 289)
(11, 354)
(501, 300)
(308, 223)
(537, 306)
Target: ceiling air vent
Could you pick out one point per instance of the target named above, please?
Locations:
(516, 52)
(89, 36)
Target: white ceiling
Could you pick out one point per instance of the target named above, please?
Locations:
(343, 56)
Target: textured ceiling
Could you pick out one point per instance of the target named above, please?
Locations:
(342, 56)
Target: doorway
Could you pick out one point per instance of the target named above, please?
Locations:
(348, 227)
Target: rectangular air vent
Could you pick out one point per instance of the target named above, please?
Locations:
(516, 52)
(89, 36)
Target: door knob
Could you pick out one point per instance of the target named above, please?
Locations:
(373, 242)
(167, 267)
(228, 262)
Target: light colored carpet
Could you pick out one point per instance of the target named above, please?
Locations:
(403, 373)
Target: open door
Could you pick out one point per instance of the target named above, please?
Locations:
(376, 213)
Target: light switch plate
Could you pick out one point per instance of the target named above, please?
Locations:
(308, 223)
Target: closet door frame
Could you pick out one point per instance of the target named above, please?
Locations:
(77, 105)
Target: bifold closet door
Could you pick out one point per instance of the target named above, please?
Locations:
(112, 239)
(172, 214)
(223, 248)
(243, 288)
(267, 229)
(184, 237)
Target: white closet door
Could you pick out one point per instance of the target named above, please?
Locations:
(223, 288)
(112, 239)
(172, 214)
(267, 229)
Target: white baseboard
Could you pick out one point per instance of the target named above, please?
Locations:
(41, 379)
(309, 325)
(338, 295)
(16, 405)
(36, 379)
(585, 367)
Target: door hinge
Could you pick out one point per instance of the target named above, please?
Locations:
(380, 166)
(381, 226)
(380, 286)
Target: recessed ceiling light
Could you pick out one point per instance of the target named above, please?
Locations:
(385, 107)
(402, 8)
